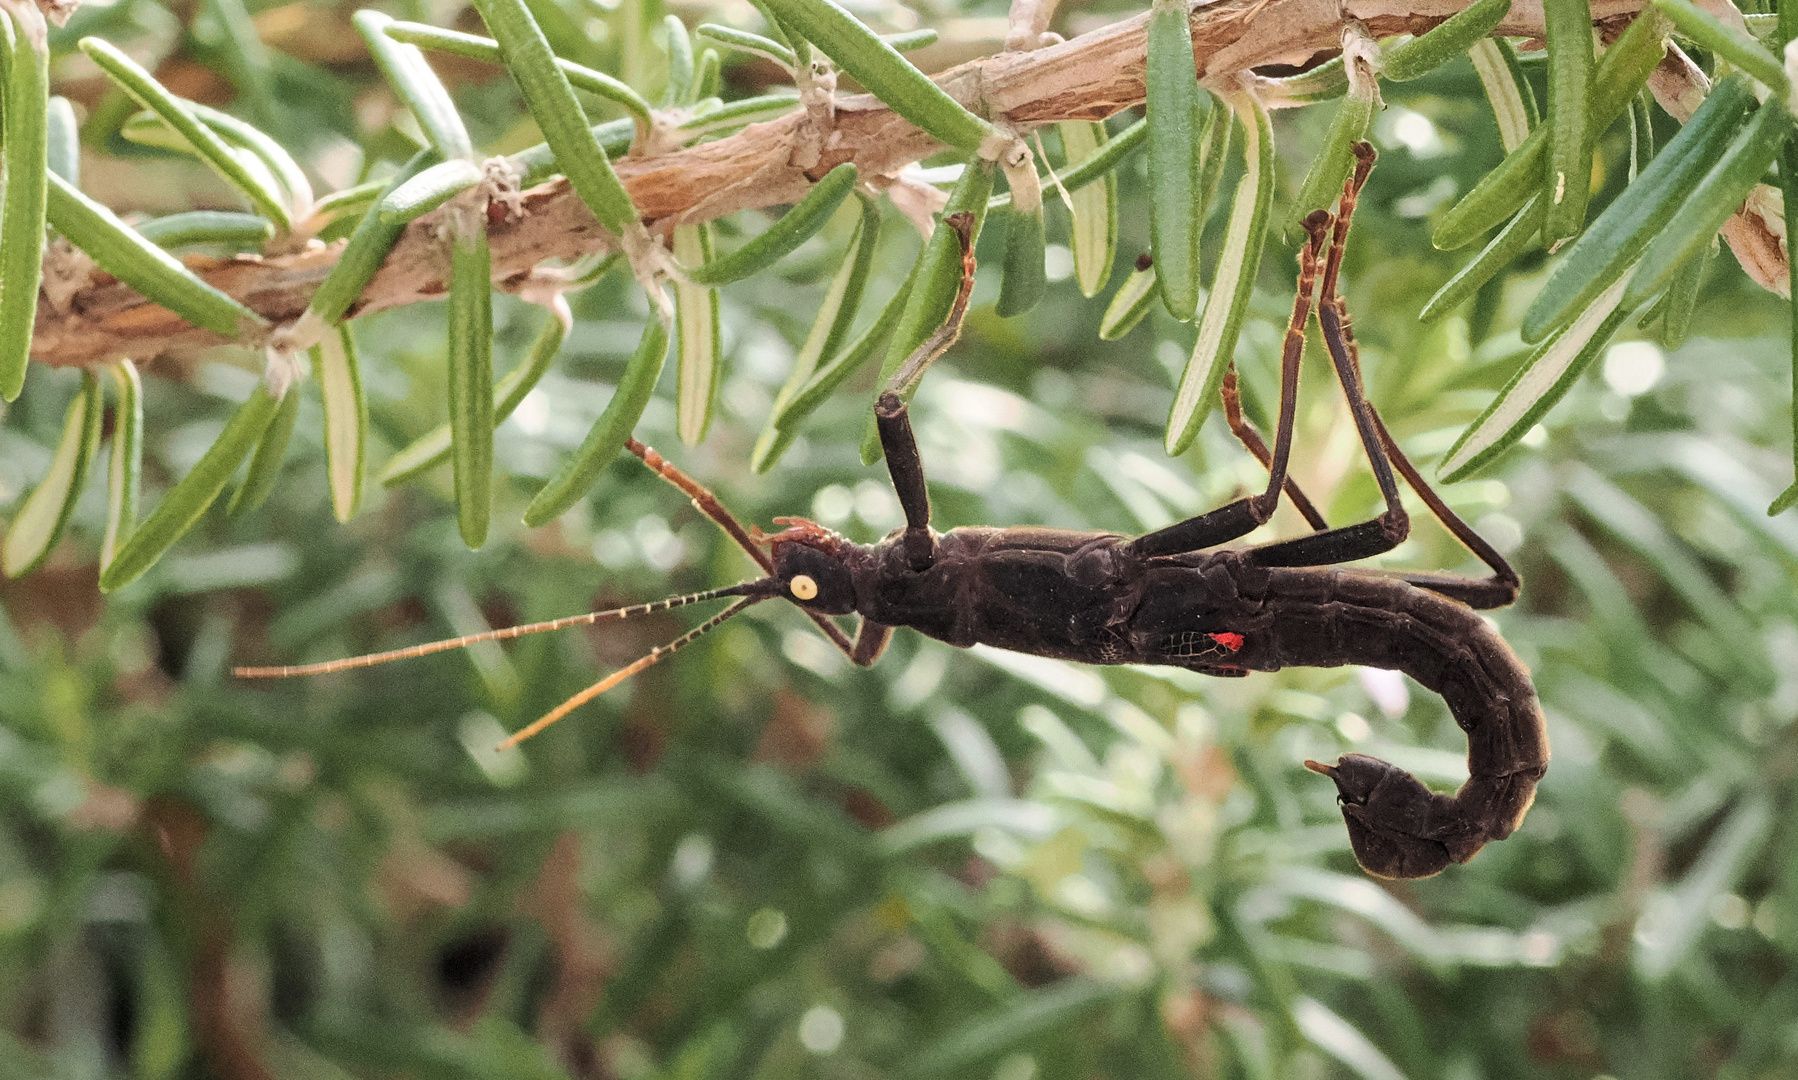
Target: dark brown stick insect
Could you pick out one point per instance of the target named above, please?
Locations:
(1170, 597)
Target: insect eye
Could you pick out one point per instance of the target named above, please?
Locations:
(803, 587)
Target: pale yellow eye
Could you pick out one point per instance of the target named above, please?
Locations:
(804, 588)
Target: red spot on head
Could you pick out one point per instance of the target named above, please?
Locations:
(1231, 642)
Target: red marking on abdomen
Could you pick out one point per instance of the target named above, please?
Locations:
(1231, 642)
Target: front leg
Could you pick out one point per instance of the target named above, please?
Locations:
(907, 469)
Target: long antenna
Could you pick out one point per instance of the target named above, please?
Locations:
(624, 673)
(505, 633)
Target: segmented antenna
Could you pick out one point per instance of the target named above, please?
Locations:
(503, 634)
(624, 673)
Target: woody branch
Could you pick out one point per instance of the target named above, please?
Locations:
(1087, 78)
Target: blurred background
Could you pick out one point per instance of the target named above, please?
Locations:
(755, 860)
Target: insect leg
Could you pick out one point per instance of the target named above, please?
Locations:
(1387, 531)
(1243, 516)
(1247, 435)
(893, 420)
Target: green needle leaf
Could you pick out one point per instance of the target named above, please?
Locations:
(1025, 275)
(25, 155)
(1092, 210)
(1233, 288)
(433, 448)
(613, 427)
(1638, 215)
(428, 190)
(475, 47)
(417, 85)
(886, 74)
(159, 276)
(1712, 202)
(242, 231)
(1571, 124)
(558, 112)
(698, 372)
(471, 373)
(1542, 381)
(182, 507)
(339, 374)
(783, 237)
(1130, 303)
(39, 524)
(367, 247)
(1621, 72)
(1454, 36)
(255, 183)
(125, 469)
(265, 463)
(1177, 107)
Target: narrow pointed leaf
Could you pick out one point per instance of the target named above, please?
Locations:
(339, 373)
(1092, 210)
(362, 256)
(1099, 166)
(1681, 298)
(125, 468)
(783, 237)
(182, 507)
(1639, 214)
(25, 155)
(243, 231)
(205, 143)
(1538, 385)
(614, 425)
(1234, 286)
(679, 87)
(428, 190)
(34, 530)
(696, 324)
(265, 461)
(1571, 124)
(475, 47)
(432, 448)
(274, 157)
(836, 317)
(887, 75)
(159, 276)
(1025, 275)
(471, 373)
(64, 144)
(1449, 39)
(557, 111)
(417, 85)
(1129, 304)
(741, 113)
(1513, 100)
(1176, 108)
(1503, 249)
(708, 77)
(1712, 202)
(831, 377)
(744, 41)
(1621, 72)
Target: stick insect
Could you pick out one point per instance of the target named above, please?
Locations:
(1172, 596)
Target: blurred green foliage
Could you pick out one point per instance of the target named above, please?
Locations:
(757, 861)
